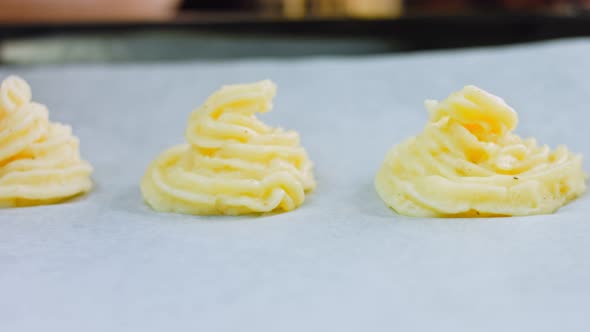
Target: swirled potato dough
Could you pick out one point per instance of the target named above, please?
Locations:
(39, 160)
(232, 162)
(467, 162)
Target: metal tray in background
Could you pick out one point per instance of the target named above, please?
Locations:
(211, 37)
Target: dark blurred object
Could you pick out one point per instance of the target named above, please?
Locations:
(217, 5)
(554, 5)
(440, 6)
(462, 6)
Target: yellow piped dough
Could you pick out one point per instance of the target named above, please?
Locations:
(232, 162)
(468, 163)
(39, 160)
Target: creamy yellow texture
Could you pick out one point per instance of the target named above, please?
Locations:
(467, 162)
(232, 162)
(39, 160)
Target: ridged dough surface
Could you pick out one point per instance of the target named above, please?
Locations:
(39, 160)
(232, 162)
(468, 163)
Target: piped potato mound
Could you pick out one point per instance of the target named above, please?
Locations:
(468, 163)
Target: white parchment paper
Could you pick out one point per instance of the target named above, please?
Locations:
(341, 262)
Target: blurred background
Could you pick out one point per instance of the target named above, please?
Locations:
(58, 31)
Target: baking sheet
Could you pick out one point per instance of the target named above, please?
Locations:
(341, 262)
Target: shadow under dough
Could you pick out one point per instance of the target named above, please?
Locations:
(368, 201)
(130, 200)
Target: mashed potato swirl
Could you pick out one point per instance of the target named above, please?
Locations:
(232, 162)
(39, 160)
(467, 162)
